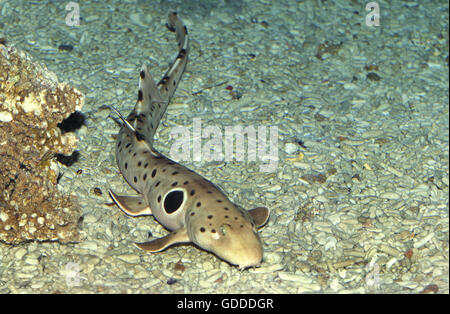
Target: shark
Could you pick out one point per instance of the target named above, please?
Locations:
(190, 207)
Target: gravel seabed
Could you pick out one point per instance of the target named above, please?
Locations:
(361, 206)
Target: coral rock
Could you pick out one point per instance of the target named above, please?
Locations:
(32, 103)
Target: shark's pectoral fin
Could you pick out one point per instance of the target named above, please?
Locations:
(157, 245)
(131, 205)
(260, 215)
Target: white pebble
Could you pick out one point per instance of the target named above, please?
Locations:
(3, 216)
(423, 241)
(32, 259)
(274, 188)
(88, 218)
(20, 253)
(307, 287)
(330, 244)
(130, 258)
(390, 195)
(302, 165)
(294, 277)
(391, 262)
(5, 116)
(88, 245)
(290, 148)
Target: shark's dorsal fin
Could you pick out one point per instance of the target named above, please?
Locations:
(131, 205)
(260, 215)
(157, 245)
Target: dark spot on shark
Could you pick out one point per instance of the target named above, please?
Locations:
(126, 165)
(199, 204)
(153, 173)
(135, 179)
(181, 54)
(164, 80)
(144, 177)
(210, 216)
(173, 201)
(202, 229)
(142, 74)
(192, 192)
(175, 183)
(157, 183)
(141, 118)
(140, 95)
(159, 198)
(139, 136)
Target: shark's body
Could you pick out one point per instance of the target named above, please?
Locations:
(193, 208)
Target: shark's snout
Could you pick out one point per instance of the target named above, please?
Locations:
(239, 245)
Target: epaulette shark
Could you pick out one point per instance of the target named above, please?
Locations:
(191, 207)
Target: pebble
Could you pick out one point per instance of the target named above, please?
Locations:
(330, 243)
(20, 253)
(303, 279)
(32, 259)
(89, 219)
(267, 269)
(130, 258)
(308, 287)
(88, 245)
(302, 165)
(273, 188)
(423, 241)
(390, 195)
(290, 148)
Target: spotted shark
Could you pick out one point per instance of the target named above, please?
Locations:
(191, 207)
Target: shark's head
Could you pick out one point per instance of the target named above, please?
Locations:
(230, 232)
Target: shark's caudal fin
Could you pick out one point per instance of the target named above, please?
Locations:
(153, 98)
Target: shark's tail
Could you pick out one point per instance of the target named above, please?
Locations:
(154, 98)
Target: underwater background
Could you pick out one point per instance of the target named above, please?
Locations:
(359, 194)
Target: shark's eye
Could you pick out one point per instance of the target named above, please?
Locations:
(173, 201)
